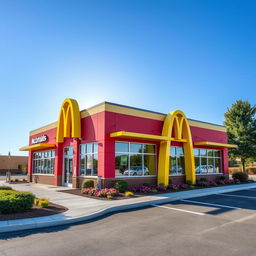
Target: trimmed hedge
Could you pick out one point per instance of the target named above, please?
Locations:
(242, 176)
(88, 184)
(5, 188)
(121, 185)
(12, 201)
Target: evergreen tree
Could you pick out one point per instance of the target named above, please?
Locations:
(240, 121)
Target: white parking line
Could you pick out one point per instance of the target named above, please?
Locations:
(250, 197)
(176, 209)
(217, 205)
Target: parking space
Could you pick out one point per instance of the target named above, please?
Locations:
(232, 205)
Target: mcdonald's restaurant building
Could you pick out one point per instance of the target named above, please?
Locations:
(113, 141)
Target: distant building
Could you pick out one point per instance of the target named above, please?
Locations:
(16, 164)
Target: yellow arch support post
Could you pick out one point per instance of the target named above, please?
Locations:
(177, 123)
(69, 123)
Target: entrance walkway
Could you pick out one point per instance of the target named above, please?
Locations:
(82, 208)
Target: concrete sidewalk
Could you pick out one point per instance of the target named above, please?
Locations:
(83, 208)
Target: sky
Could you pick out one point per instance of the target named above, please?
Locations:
(196, 56)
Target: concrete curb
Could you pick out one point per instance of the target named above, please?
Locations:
(59, 219)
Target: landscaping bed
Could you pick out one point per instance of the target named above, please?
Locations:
(77, 192)
(19, 205)
(35, 211)
(121, 190)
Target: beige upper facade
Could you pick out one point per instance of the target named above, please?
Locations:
(121, 109)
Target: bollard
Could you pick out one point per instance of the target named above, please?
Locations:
(99, 185)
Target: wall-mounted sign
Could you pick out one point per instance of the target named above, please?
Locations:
(42, 138)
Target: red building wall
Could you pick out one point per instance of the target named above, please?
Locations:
(98, 127)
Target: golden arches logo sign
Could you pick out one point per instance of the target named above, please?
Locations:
(177, 128)
(69, 123)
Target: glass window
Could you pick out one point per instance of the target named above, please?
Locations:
(122, 147)
(148, 149)
(196, 152)
(43, 162)
(135, 148)
(208, 161)
(203, 152)
(177, 163)
(173, 151)
(89, 159)
(121, 164)
(138, 160)
(136, 168)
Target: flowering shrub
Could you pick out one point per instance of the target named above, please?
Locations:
(204, 184)
(145, 189)
(161, 188)
(105, 192)
(212, 183)
(184, 186)
(134, 188)
(174, 186)
(229, 181)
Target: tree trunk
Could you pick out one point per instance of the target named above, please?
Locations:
(243, 165)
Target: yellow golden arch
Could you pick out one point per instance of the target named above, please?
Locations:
(176, 124)
(69, 123)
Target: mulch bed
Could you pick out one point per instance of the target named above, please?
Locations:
(77, 192)
(36, 211)
(138, 194)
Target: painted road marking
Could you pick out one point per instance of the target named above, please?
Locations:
(250, 197)
(216, 205)
(176, 209)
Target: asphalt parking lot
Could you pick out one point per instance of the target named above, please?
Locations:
(222, 224)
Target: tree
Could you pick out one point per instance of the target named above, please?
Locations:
(240, 121)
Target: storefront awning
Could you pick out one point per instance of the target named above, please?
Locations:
(37, 146)
(142, 136)
(215, 144)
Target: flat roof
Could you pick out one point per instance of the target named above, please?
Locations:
(128, 110)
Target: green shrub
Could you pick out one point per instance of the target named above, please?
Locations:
(12, 201)
(5, 188)
(121, 185)
(222, 177)
(241, 176)
(88, 184)
(203, 179)
(170, 181)
(42, 202)
(146, 185)
(189, 182)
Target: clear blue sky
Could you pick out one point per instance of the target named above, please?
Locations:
(197, 56)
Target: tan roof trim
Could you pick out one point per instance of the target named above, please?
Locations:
(115, 108)
(43, 128)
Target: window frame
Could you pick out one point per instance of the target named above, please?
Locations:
(213, 157)
(85, 158)
(129, 154)
(42, 159)
(176, 158)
